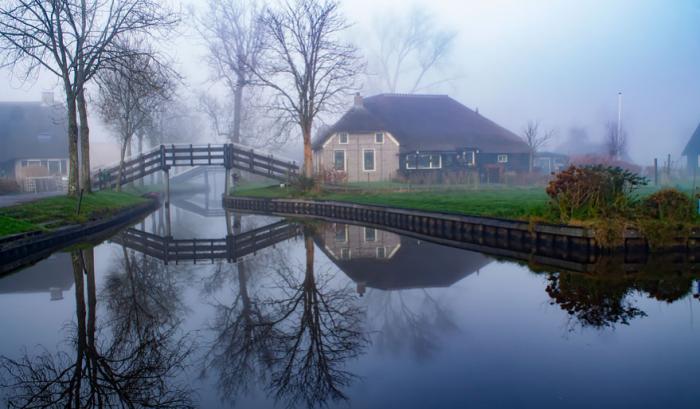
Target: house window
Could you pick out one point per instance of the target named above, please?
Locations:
(32, 163)
(55, 167)
(345, 253)
(502, 158)
(368, 160)
(370, 234)
(343, 138)
(339, 160)
(379, 137)
(381, 252)
(470, 158)
(341, 233)
(423, 161)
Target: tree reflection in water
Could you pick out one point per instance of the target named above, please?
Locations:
(136, 368)
(413, 320)
(296, 342)
(604, 300)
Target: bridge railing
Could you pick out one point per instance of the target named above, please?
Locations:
(228, 155)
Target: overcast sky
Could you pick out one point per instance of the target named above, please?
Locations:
(561, 62)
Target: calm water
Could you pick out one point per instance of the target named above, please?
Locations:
(340, 316)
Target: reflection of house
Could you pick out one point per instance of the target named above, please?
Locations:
(423, 137)
(53, 275)
(33, 144)
(393, 262)
(549, 162)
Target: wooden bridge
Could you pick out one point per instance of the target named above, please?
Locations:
(230, 248)
(230, 156)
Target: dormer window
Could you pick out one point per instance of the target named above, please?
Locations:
(379, 137)
(343, 138)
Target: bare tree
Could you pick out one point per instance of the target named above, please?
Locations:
(536, 140)
(409, 49)
(615, 140)
(233, 32)
(130, 93)
(305, 64)
(73, 39)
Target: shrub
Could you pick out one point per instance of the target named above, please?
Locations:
(592, 191)
(669, 204)
(332, 176)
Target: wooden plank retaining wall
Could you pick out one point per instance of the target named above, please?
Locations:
(562, 242)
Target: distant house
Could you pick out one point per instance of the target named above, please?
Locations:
(550, 162)
(34, 144)
(386, 261)
(418, 137)
(692, 151)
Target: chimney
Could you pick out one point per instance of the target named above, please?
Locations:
(47, 98)
(358, 100)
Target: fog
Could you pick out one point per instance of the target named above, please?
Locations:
(559, 62)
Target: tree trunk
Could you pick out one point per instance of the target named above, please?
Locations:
(237, 110)
(125, 142)
(73, 163)
(308, 153)
(85, 182)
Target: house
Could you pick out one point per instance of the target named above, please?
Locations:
(549, 162)
(34, 144)
(387, 261)
(692, 151)
(424, 138)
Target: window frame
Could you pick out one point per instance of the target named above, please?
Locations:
(502, 158)
(345, 234)
(374, 236)
(340, 138)
(417, 166)
(374, 160)
(345, 253)
(345, 160)
(383, 256)
(376, 134)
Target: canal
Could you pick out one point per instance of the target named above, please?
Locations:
(315, 313)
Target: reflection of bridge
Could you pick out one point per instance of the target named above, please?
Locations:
(230, 156)
(230, 248)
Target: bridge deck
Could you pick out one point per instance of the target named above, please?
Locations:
(230, 156)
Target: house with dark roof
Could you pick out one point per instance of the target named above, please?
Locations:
(386, 261)
(418, 137)
(692, 151)
(34, 144)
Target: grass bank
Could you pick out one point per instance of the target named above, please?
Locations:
(54, 212)
(512, 203)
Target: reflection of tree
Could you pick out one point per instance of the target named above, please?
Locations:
(134, 371)
(404, 321)
(142, 293)
(593, 302)
(293, 335)
(319, 330)
(241, 350)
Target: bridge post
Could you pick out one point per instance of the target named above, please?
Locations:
(168, 232)
(166, 179)
(228, 165)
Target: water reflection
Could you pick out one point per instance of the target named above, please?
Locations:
(295, 343)
(108, 367)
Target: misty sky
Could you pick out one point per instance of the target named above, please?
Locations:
(561, 62)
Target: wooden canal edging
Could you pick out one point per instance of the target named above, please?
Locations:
(507, 238)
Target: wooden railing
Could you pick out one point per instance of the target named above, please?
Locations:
(230, 156)
(230, 248)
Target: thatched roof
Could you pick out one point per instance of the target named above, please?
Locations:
(32, 130)
(426, 122)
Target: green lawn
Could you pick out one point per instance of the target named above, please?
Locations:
(515, 203)
(53, 212)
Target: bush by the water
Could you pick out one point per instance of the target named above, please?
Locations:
(589, 192)
(669, 204)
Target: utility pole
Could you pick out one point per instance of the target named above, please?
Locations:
(619, 116)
